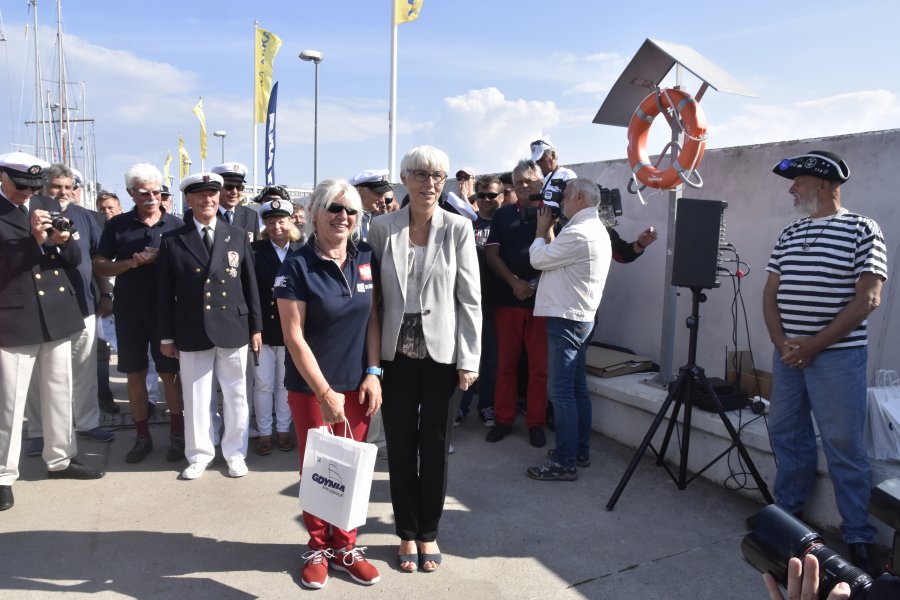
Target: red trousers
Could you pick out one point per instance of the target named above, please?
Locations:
(306, 415)
(515, 326)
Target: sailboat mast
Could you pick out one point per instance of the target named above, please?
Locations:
(40, 142)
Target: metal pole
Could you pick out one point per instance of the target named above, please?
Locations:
(316, 130)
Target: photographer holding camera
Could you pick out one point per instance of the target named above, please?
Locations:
(574, 266)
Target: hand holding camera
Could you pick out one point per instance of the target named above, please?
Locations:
(50, 225)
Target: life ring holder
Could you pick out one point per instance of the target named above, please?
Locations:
(683, 112)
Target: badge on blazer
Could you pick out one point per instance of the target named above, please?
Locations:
(233, 259)
(249, 236)
(227, 238)
(76, 236)
(231, 271)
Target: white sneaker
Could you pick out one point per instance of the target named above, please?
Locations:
(237, 468)
(194, 471)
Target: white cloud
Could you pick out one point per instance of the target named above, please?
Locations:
(484, 129)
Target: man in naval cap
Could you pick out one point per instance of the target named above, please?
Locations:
(372, 186)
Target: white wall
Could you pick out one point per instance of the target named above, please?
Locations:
(759, 206)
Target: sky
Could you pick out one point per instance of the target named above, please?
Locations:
(478, 79)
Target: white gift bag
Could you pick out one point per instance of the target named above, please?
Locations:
(883, 419)
(337, 478)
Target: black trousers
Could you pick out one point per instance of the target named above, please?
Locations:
(416, 412)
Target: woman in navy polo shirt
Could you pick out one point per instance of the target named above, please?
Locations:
(326, 299)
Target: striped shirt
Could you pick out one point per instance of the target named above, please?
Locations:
(819, 262)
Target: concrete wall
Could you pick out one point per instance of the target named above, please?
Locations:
(759, 206)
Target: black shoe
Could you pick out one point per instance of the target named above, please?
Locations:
(498, 432)
(536, 437)
(6, 497)
(76, 470)
(582, 462)
(176, 447)
(142, 447)
(108, 404)
(552, 471)
(861, 556)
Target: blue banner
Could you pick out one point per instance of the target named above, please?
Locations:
(270, 136)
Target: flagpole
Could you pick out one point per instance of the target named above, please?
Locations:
(253, 96)
(392, 115)
(202, 160)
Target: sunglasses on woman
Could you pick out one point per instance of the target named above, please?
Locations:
(335, 208)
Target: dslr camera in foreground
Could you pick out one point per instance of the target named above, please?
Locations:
(779, 536)
(609, 208)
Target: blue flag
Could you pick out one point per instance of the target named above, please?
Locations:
(270, 136)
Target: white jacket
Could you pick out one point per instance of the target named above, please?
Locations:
(574, 268)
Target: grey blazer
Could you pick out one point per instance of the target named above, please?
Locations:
(451, 290)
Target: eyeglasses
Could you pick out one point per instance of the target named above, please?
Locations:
(230, 187)
(388, 199)
(33, 188)
(335, 209)
(488, 195)
(536, 143)
(421, 175)
(147, 193)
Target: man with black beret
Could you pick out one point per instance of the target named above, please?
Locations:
(208, 311)
(825, 277)
(38, 318)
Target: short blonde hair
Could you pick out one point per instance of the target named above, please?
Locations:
(324, 195)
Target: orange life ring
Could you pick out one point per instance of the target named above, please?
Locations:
(694, 123)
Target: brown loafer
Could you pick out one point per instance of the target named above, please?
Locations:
(285, 441)
(264, 445)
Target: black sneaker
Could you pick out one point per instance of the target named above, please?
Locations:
(498, 432)
(487, 416)
(582, 462)
(108, 404)
(536, 437)
(458, 418)
(552, 471)
(142, 447)
(176, 447)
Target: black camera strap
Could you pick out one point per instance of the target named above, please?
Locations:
(547, 180)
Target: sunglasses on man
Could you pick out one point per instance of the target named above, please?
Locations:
(487, 195)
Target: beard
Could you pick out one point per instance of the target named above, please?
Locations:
(805, 206)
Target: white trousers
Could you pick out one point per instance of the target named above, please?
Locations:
(269, 392)
(55, 395)
(85, 408)
(229, 366)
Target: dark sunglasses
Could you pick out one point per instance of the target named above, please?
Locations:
(229, 187)
(335, 208)
(488, 195)
(33, 188)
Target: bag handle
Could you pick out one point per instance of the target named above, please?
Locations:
(347, 431)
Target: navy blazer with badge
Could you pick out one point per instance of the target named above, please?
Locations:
(205, 302)
(37, 297)
(267, 264)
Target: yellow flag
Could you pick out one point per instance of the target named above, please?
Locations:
(406, 10)
(198, 110)
(267, 45)
(185, 166)
(166, 175)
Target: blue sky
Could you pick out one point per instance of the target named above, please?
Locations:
(477, 79)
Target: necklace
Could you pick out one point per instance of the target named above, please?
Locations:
(324, 254)
(807, 244)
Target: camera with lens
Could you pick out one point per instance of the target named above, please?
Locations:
(529, 213)
(610, 206)
(778, 536)
(59, 222)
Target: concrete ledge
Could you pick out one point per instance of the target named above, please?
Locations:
(624, 409)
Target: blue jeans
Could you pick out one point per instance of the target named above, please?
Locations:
(487, 370)
(567, 343)
(833, 388)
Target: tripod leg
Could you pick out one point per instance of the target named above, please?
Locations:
(643, 447)
(736, 440)
(684, 381)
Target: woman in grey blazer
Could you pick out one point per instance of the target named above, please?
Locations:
(430, 342)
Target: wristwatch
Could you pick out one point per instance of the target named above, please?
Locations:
(376, 371)
(107, 295)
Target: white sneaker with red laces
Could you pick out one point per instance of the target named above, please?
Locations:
(352, 560)
(315, 569)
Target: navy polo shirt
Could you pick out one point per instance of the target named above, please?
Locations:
(124, 236)
(514, 239)
(338, 303)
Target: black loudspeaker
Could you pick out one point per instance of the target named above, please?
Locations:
(699, 228)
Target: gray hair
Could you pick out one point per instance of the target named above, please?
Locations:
(590, 190)
(324, 195)
(55, 171)
(141, 173)
(425, 157)
(524, 167)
